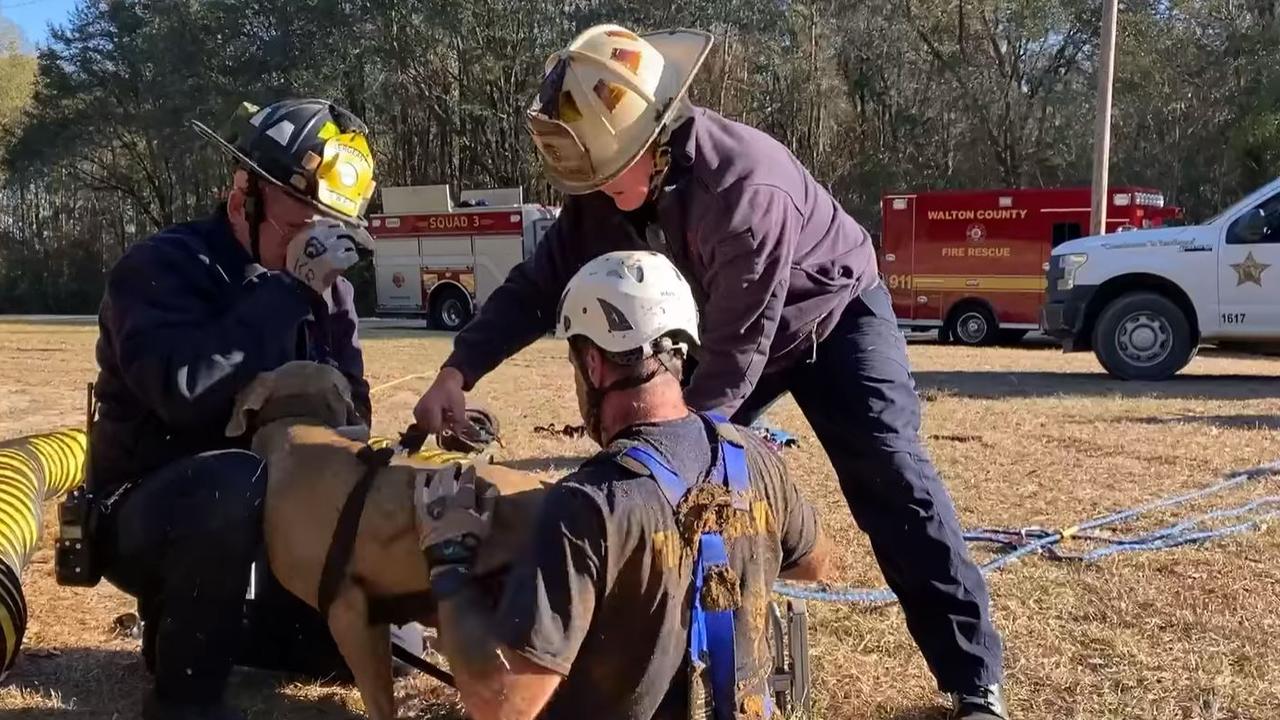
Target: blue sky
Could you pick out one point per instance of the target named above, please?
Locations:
(34, 16)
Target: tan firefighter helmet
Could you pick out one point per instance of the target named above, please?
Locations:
(606, 97)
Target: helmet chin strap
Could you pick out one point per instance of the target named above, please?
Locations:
(596, 395)
(661, 162)
(662, 148)
(255, 206)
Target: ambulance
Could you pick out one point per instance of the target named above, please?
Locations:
(971, 264)
(439, 260)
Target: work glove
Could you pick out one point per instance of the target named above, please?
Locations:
(322, 251)
(455, 512)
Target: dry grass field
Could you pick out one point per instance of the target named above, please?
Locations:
(1023, 436)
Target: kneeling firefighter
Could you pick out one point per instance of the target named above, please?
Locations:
(645, 590)
(190, 317)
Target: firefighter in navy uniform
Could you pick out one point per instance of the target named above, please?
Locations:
(790, 299)
(618, 610)
(190, 316)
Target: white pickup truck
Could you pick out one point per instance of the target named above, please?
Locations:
(1145, 300)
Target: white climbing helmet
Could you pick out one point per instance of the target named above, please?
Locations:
(624, 301)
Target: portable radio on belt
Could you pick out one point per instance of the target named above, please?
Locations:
(74, 561)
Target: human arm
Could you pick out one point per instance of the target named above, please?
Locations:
(184, 357)
(348, 355)
(520, 311)
(507, 664)
(523, 308)
(495, 682)
(746, 284)
(813, 565)
(805, 548)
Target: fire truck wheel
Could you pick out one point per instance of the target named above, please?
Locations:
(973, 324)
(450, 309)
(1143, 336)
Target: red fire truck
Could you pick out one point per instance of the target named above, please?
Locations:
(971, 264)
(440, 260)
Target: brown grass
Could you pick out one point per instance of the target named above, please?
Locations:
(1023, 436)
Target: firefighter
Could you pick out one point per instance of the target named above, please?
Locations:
(790, 298)
(190, 316)
(599, 618)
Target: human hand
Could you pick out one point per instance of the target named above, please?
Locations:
(322, 251)
(444, 404)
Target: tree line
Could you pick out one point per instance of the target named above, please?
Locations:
(873, 96)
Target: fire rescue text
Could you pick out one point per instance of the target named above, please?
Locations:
(989, 252)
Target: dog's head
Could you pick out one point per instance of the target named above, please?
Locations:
(296, 390)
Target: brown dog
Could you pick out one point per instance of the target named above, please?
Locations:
(311, 470)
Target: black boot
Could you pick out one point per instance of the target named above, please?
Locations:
(984, 702)
(154, 708)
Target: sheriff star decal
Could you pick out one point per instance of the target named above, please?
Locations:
(1249, 271)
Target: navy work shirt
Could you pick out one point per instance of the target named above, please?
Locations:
(772, 258)
(182, 332)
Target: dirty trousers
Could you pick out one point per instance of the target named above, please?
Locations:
(185, 542)
(858, 395)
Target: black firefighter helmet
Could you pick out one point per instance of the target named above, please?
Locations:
(313, 149)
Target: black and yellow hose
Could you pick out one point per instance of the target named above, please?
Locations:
(40, 468)
(33, 470)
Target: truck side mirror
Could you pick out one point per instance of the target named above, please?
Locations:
(1250, 227)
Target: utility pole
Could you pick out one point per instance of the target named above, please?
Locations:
(1102, 120)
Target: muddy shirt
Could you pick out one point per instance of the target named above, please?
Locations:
(604, 594)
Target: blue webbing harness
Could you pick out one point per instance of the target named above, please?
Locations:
(711, 633)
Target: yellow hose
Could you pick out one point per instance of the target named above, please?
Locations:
(33, 470)
(37, 469)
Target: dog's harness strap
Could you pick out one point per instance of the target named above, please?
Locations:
(344, 533)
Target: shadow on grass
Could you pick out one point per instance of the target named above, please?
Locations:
(1031, 342)
(1225, 422)
(923, 712)
(404, 333)
(560, 464)
(93, 684)
(1002, 384)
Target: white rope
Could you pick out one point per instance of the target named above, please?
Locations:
(393, 383)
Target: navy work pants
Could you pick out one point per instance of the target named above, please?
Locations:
(858, 395)
(184, 542)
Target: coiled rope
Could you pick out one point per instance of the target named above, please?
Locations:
(1029, 541)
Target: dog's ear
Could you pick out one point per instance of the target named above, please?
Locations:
(250, 400)
(341, 396)
(353, 415)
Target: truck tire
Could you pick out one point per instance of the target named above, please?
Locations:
(1143, 336)
(450, 309)
(973, 325)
